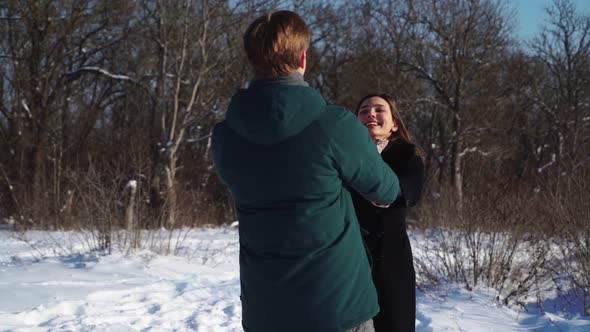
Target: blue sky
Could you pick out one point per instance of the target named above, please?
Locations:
(531, 15)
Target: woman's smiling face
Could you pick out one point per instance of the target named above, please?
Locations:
(375, 114)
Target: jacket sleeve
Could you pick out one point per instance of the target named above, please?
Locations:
(357, 160)
(411, 181)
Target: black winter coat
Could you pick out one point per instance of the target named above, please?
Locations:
(387, 241)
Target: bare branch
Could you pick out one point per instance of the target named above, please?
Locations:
(104, 72)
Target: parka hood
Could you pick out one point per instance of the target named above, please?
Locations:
(269, 114)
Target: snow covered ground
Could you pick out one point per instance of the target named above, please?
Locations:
(47, 285)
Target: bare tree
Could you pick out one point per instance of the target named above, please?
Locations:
(44, 41)
(191, 39)
(456, 48)
(562, 93)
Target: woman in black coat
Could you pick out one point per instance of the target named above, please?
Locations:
(385, 227)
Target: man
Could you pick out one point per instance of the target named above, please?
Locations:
(287, 158)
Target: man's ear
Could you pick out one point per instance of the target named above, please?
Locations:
(303, 60)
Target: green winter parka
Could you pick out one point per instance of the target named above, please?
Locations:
(288, 158)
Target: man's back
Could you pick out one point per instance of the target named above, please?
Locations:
(287, 157)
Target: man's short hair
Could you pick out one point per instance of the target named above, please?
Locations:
(274, 43)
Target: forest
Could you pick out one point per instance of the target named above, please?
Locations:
(106, 111)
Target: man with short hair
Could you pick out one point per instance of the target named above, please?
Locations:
(288, 158)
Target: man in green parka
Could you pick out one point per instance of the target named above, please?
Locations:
(288, 159)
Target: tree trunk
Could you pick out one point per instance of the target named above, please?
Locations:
(130, 225)
(457, 169)
(171, 199)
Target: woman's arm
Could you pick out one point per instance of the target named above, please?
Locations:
(409, 167)
(412, 180)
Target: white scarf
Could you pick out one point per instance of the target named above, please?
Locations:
(381, 144)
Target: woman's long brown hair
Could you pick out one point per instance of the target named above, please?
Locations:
(402, 132)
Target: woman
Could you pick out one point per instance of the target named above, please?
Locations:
(385, 228)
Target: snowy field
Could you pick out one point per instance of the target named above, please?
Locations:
(47, 285)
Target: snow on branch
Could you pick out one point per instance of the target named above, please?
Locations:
(549, 164)
(26, 108)
(132, 185)
(104, 72)
(101, 71)
(432, 101)
(473, 150)
(197, 139)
